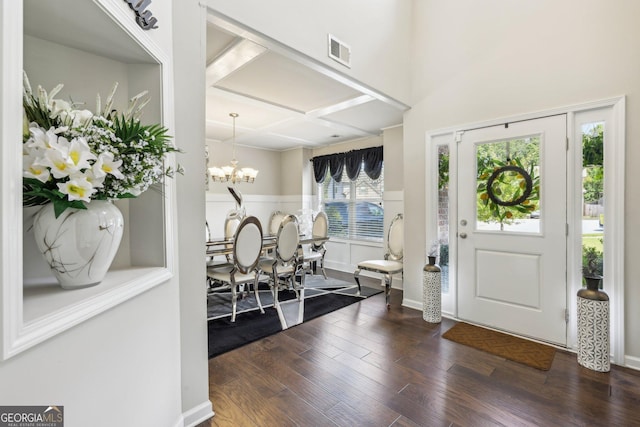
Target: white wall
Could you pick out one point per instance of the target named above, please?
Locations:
(377, 32)
(189, 33)
(393, 159)
(477, 61)
(267, 162)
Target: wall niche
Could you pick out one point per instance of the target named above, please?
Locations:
(87, 46)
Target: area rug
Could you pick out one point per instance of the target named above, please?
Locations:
(320, 297)
(530, 353)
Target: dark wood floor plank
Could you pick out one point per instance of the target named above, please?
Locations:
(405, 422)
(444, 353)
(368, 389)
(299, 411)
(249, 395)
(461, 409)
(528, 408)
(360, 415)
(277, 362)
(390, 376)
(372, 335)
(365, 365)
(345, 383)
(227, 413)
(311, 341)
(344, 344)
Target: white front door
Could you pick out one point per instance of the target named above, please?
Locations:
(512, 228)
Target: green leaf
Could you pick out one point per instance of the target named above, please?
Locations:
(60, 205)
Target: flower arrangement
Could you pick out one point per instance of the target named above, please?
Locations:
(72, 156)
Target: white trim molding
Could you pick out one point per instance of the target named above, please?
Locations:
(196, 415)
(632, 362)
(11, 41)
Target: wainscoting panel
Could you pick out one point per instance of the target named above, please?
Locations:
(218, 205)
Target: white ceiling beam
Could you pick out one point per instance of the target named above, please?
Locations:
(350, 103)
(241, 30)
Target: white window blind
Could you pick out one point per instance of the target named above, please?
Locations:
(354, 208)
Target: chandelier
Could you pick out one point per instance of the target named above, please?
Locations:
(232, 172)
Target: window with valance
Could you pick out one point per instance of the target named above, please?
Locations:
(350, 186)
(368, 159)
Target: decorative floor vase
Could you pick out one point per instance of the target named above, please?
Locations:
(593, 329)
(432, 292)
(80, 244)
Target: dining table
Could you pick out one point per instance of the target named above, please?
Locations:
(224, 246)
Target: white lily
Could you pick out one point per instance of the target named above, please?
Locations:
(59, 108)
(81, 117)
(106, 165)
(77, 188)
(33, 169)
(97, 182)
(80, 153)
(58, 160)
(134, 191)
(41, 139)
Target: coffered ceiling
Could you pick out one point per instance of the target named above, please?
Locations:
(285, 100)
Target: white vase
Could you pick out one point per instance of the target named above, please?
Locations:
(80, 244)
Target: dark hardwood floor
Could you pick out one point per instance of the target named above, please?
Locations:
(366, 366)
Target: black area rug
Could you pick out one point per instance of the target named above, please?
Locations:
(320, 297)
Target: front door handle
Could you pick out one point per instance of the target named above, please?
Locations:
(463, 235)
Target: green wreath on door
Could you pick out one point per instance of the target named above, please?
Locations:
(507, 191)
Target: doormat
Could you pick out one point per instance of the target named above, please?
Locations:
(530, 353)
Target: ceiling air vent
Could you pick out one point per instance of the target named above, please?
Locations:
(339, 51)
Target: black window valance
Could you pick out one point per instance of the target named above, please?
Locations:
(372, 158)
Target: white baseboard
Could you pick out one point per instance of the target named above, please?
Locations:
(196, 415)
(417, 305)
(632, 362)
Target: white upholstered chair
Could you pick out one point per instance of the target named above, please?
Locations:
(284, 264)
(207, 238)
(247, 247)
(392, 262)
(274, 222)
(231, 223)
(314, 253)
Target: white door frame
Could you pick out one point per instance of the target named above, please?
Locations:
(613, 111)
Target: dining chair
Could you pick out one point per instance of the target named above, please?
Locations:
(283, 266)
(314, 253)
(247, 247)
(274, 222)
(392, 262)
(207, 238)
(231, 223)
